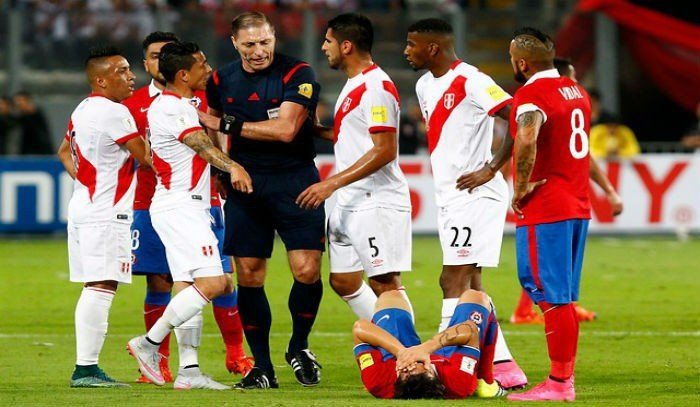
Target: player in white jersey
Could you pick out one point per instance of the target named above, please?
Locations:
(458, 103)
(369, 230)
(97, 153)
(182, 153)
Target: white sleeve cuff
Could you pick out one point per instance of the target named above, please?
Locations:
(529, 107)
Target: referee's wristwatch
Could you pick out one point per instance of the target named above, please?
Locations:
(231, 125)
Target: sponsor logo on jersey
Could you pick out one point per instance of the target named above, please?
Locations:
(379, 114)
(306, 90)
(496, 92)
(365, 361)
(377, 262)
(449, 100)
(463, 252)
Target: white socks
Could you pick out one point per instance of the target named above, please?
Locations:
(91, 322)
(185, 305)
(189, 336)
(448, 309)
(362, 301)
(501, 352)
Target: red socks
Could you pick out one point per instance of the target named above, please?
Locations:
(151, 314)
(524, 304)
(561, 330)
(229, 322)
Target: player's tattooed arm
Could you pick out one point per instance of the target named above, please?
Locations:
(465, 333)
(529, 124)
(202, 145)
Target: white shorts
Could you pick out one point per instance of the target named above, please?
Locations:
(472, 233)
(190, 245)
(377, 241)
(100, 252)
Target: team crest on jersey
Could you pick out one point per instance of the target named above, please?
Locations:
(476, 317)
(196, 101)
(346, 104)
(449, 100)
(208, 251)
(306, 90)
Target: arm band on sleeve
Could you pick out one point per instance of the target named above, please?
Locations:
(231, 125)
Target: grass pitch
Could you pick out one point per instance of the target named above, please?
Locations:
(642, 350)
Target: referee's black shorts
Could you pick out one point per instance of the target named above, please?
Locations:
(252, 219)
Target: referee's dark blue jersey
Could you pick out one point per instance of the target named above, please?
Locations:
(256, 97)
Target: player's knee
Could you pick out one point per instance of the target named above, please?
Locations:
(159, 283)
(474, 297)
(307, 273)
(228, 289)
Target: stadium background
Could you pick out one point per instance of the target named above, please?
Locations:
(644, 287)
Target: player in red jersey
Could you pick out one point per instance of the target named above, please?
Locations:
(524, 313)
(549, 122)
(454, 364)
(148, 249)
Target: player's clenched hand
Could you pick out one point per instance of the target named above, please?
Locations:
(209, 121)
(474, 179)
(240, 180)
(408, 358)
(314, 195)
(520, 191)
(615, 203)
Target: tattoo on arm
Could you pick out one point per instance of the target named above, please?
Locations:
(527, 119)
(451, 336)
(202, 145)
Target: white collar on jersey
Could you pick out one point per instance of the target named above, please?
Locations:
(549, 73)
(152, 89)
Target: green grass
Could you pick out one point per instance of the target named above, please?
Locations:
(642, 351)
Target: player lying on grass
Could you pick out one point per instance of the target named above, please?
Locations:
(455, 363)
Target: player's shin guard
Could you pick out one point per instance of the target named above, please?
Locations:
(189, 335)
(448, 309)
(186, 304)
(91, 322)
(228, 319)
(304, 300)
(362, 301)
(561, 331)
(256, 318)
(153, 307)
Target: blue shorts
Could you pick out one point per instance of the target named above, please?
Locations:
(468, 312)
(550, 257)
(148, 251)
(399, 324)
(252, 219)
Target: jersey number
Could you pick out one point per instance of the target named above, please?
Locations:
(135, 234)
(466, 241)
(373, 247)
(578, 133)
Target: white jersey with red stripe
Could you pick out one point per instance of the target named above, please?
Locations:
(103, 189)
(183, 176)
(458, 108)
(368, 104)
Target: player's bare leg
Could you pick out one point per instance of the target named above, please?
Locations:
(304, 300)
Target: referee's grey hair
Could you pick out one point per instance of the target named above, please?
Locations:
(249, 19)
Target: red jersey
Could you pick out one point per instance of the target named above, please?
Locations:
(138, 105)
(457, 373)
(562, 148)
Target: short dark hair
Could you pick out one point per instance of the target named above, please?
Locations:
(355, 28)
(250, 19)
(158, 36)
(21, 93)
(175, 56)
(431, 25)
(563, 66)
(419, 386)
(102, 51)
(534, 32)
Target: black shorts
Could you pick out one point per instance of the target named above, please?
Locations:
(251, 220)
